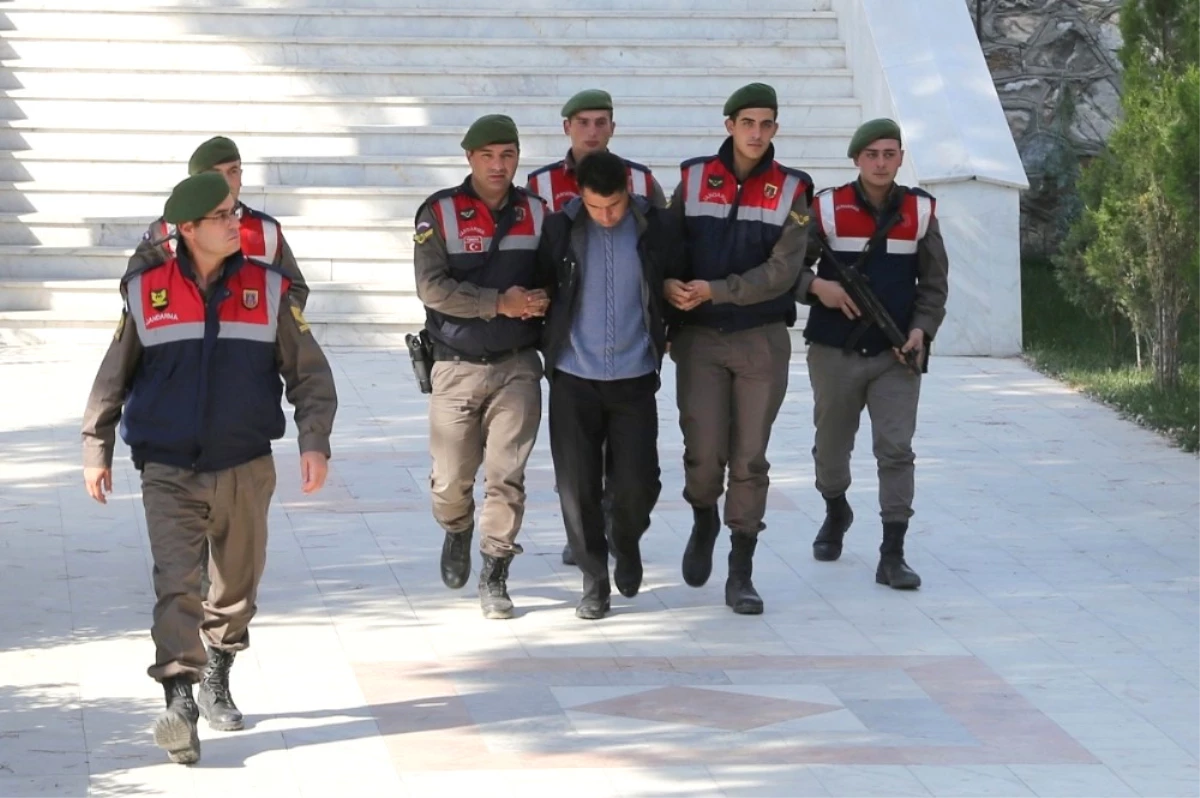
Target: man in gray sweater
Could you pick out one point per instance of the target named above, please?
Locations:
(605, 258)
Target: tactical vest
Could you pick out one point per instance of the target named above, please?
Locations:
(847, 223)
(468, 226)
(556, 183)
(733, 228)
(207, 389)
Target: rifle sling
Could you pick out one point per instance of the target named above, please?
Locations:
(879, 236)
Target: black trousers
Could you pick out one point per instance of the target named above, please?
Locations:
(586, 416)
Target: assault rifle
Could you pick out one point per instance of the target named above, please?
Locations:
(860, 292)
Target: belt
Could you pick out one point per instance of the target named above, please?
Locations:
(442, 352)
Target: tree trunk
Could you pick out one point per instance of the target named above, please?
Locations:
(1166, 345)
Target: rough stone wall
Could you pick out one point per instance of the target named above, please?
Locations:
(1058, 76)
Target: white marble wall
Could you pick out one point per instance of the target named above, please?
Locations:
(980, 223)
(920, 64)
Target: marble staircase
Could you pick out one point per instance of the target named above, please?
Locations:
(348, 114)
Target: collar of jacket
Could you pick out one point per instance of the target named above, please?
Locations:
(894, 198)
(509, 198)
(640, 207)
(725, 154)
(187, 268)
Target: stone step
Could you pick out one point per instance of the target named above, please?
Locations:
(308, 237)
(98, 299)
(475, 24)
(327, 115)
(644, 55)
(211, 78)
(821, 149)
(289, 154)
(682, 7)
(23, 263)
(329, 202)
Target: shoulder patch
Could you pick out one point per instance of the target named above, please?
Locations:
(424, 231)
(298, 315)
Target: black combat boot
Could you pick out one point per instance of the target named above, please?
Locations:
(827, 546)
(175, 728)
(893, 571)
(739, 590)
(493, 588)
(595, 603)
(698, 554)
(214, 700)
(456, 559)
(627, 570)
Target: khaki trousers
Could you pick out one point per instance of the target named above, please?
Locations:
(842, 384)
(729, 388)
(484, 414)
(184, 511)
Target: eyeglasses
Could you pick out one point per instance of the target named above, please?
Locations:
(224, 216)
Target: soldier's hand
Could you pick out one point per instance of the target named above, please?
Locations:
(98, 482)
(537, 302)
(314, 467)
(915, 343)
(833, 296)
(513, 302)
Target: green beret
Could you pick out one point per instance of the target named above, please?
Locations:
(490, 129)
(587, 100)
(870, 132)
(194, 197)
(752, 95)
(217, 150)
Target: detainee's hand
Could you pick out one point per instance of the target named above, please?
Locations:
(98, 481)
(833, 296)
(314, 467)
(675, 292)
(699, 291)
(915, 343)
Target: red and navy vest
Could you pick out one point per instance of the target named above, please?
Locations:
(469, 227)
(556, 183)
(261, 235)
(206, 392)
(847, 221)
(732, 227)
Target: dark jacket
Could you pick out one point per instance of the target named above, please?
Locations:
(563, 238)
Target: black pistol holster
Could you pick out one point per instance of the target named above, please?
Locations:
(421, 351)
